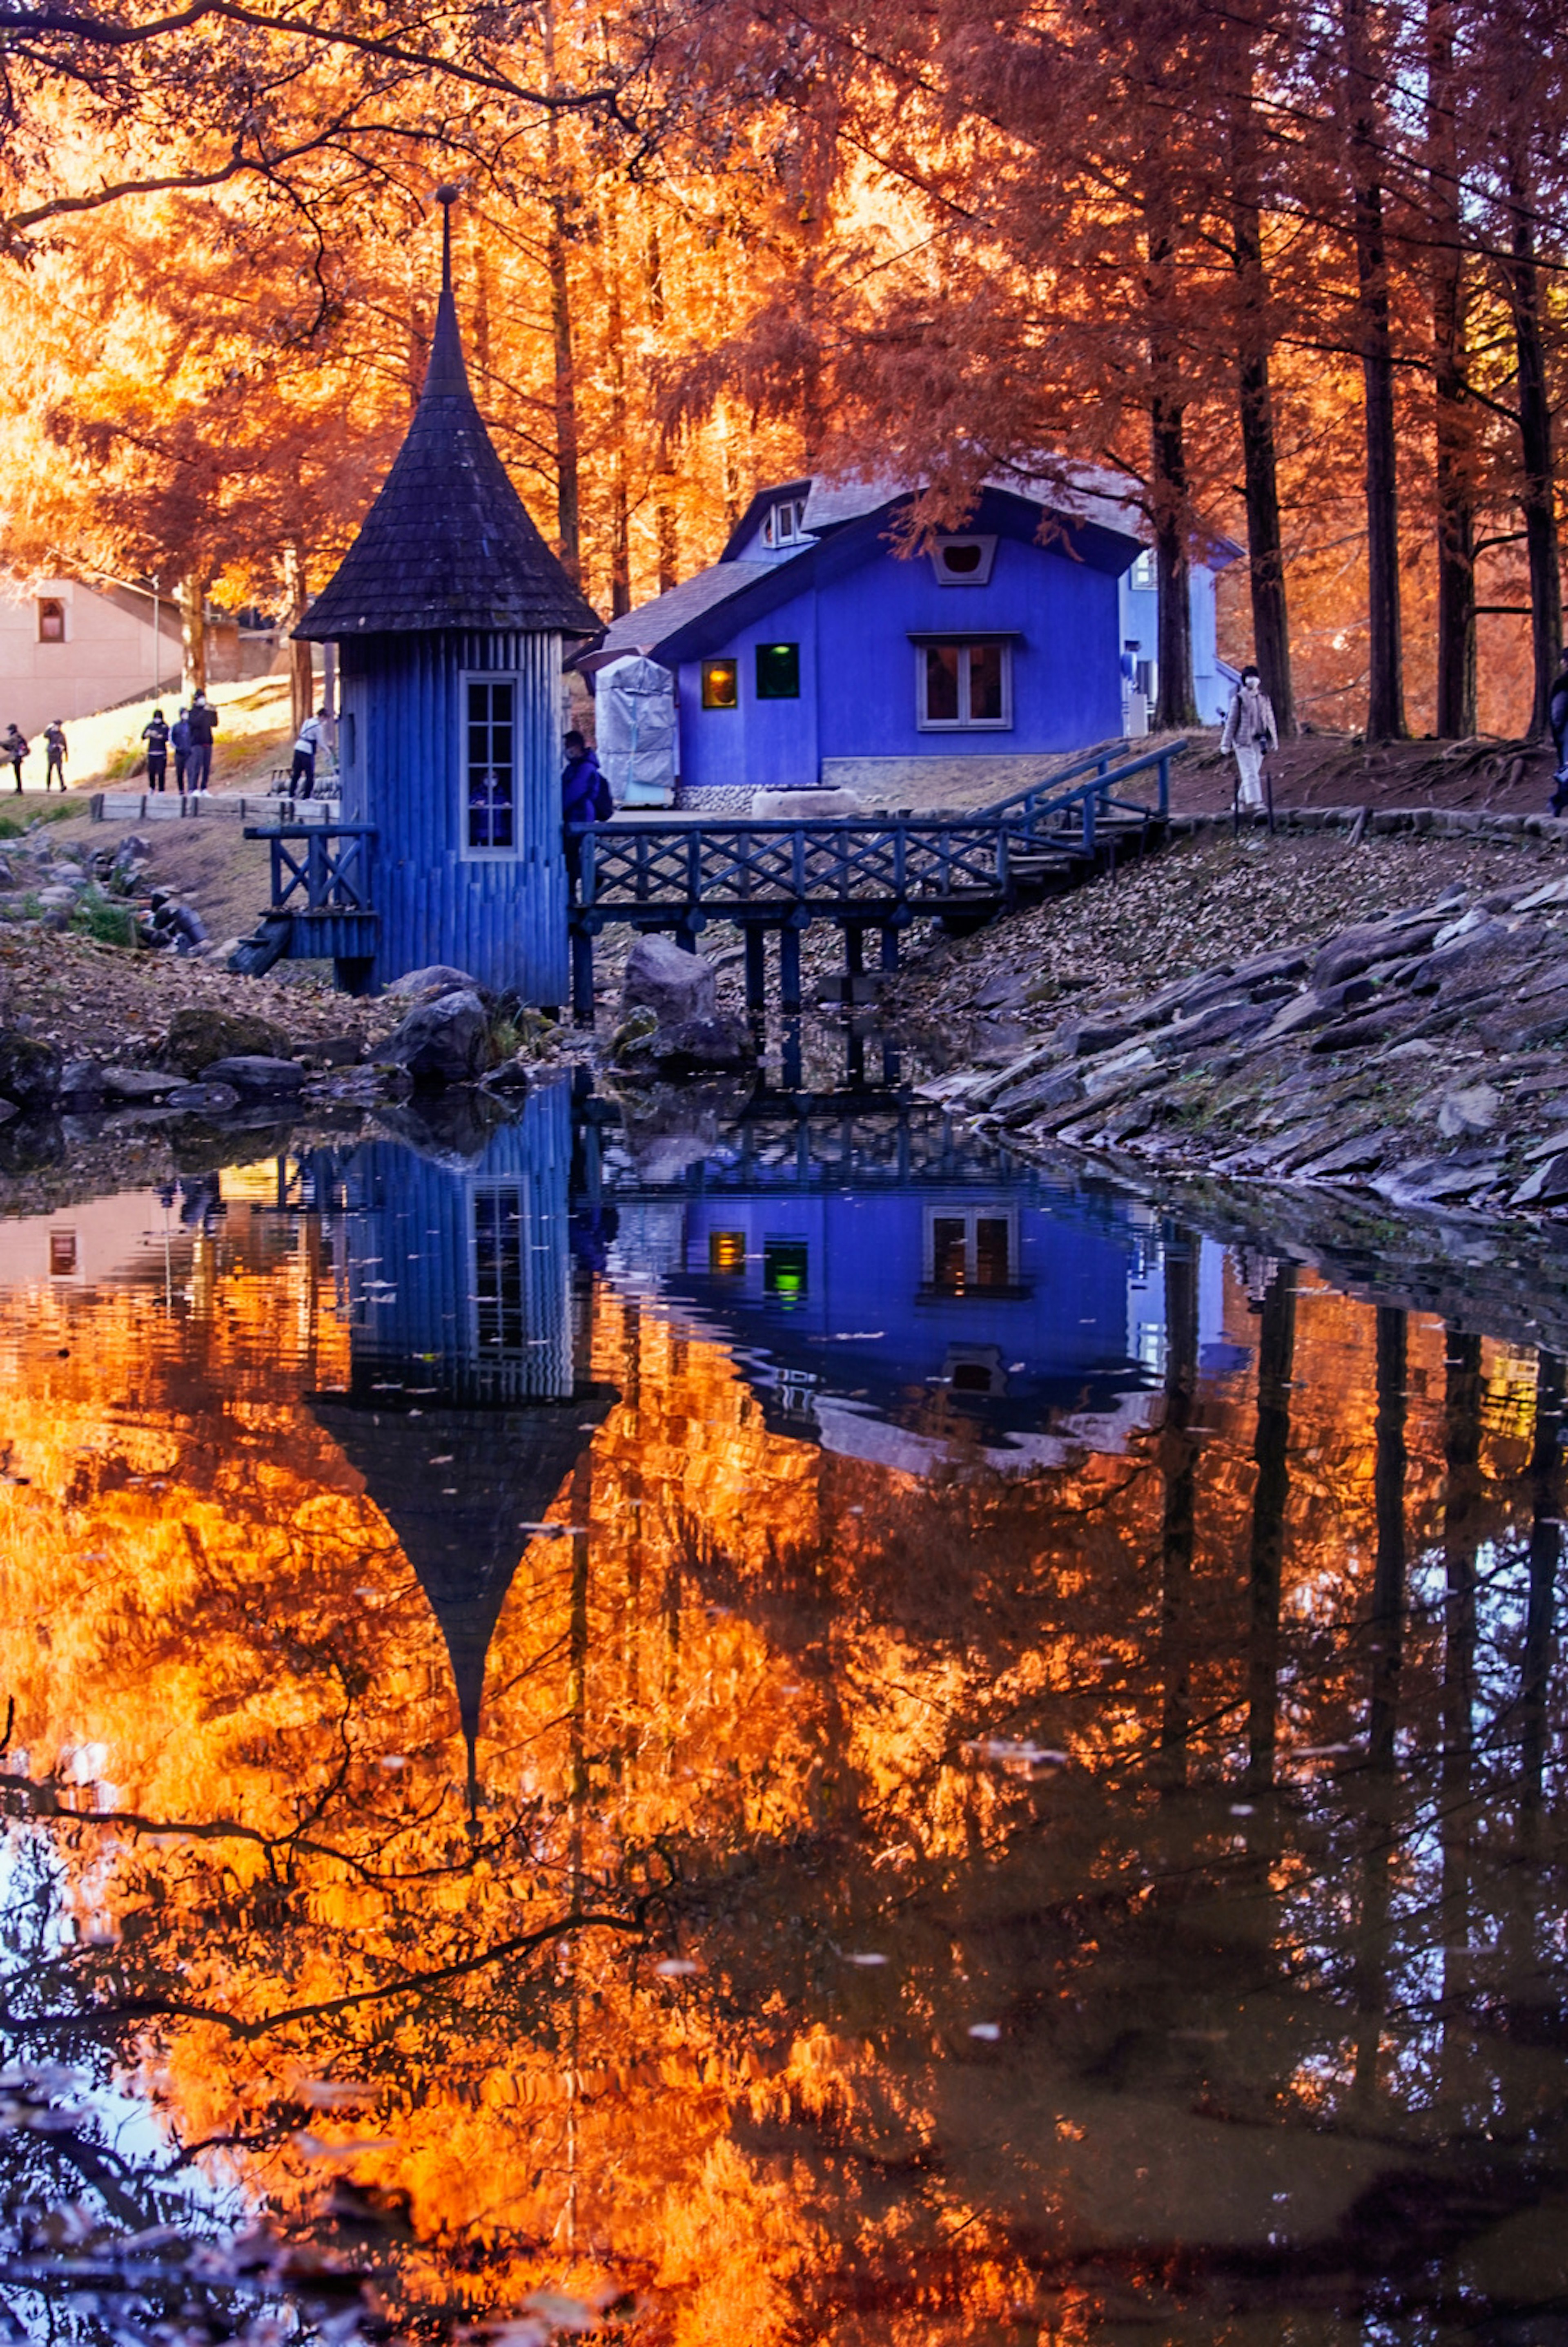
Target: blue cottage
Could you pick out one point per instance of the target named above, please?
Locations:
(450, 612)
(812, 655)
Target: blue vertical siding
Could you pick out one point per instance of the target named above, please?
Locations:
(501, 918)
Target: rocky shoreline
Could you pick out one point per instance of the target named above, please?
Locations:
(1420, 1057)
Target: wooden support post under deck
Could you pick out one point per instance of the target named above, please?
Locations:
(854, 951)
(890, 947)
(582, 978)
(756, 969)
(789, 972)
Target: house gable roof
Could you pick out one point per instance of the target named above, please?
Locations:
(448, 542)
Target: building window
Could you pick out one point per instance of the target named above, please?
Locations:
(784, 1270)
(961, 685)
(721, 684)
(786, 523)
(963, 561)
(62, 1255)
(490, 765)
(778, 671)
(971, 1251)
(51, 620)
(726, 1254)
(1141, 574)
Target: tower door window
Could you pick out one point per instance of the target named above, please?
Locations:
(490, 765)
(784, 1270)
(51, 621)
(963, 686)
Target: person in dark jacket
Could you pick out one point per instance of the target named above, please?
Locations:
(14, 749)
(203, 724)
(1557, 718)
(155, 733)
(56, 752)
(179, 738)
(584, 798)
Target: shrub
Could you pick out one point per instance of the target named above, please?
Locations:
(93, 915)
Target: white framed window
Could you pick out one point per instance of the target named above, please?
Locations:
(963, 561)
(488, 777)
(1141, 574)
(786, 523)
(963, 686)
(971, 1250)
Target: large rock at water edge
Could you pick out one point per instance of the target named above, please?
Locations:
(440, 977)
(675, 986)
(200, 1035)
(29, 1070)
(702, 1046)
(255, 1074)
(446, 1041)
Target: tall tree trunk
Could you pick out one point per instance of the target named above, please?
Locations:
(192, 594)
(568, 492)
(620, 509)
(1537, 493)
(301, 673)
(1170, 509)
(1385, 652)
(1265, 541)
(1454, 496)
(664, 508)
(1271, 1447)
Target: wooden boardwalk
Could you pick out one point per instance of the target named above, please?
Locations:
(878, 872)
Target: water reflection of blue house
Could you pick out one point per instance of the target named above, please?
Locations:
(1034, 1310)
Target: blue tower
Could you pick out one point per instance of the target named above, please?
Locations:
(449, 612)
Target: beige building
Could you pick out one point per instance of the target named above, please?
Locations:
(66, 649)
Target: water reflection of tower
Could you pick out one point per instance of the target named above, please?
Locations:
(465, 1411)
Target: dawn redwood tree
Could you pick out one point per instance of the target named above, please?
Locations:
(1364, 130)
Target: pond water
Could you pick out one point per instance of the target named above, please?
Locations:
(794, 1733)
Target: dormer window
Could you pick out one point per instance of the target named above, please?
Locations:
(963, 561)
(786, 523)
(51, 620)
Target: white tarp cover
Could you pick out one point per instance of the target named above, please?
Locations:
(634, 720)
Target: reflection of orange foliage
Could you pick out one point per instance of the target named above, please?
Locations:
(734, 1713)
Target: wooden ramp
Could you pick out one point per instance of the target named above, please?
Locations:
(877, 872)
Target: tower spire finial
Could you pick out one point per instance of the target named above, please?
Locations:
(446, 197)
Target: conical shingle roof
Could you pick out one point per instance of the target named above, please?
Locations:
(448, 542)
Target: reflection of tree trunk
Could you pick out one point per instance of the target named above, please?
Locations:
(1178, 1454)
(1461, 1458)
(1545, 1549)
(1276, 1359)
(1388, 1656)
(192, 593)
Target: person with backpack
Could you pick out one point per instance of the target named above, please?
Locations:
(584, 798)
(307, 744)
(55, 753)
(155, 733)
(179, 741)
(203, 724)
(1249, 730)
(1557, 718)
(15, 747)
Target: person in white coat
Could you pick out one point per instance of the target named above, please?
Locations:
(307, 745)
(1250, 731)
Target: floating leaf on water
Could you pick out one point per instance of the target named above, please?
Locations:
(677, 1968)
(444, 1459)
(564, 2313)
(988, 2030)
(868, 1958)
(1241, 1808)
(392, 1760)
(314, 2147)
(335, 2093)
(1019, 1758)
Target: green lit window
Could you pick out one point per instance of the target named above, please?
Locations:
(784, 1270)
(778, 671)
(721, 684)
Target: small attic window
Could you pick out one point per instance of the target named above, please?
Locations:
(963, 561)
(1141, 574)
(51, 620)
(786, 523)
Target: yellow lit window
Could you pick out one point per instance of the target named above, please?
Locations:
(725, 1253)
(721, 684)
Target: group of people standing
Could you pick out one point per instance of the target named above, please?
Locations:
(15, 747)
(190, 739)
